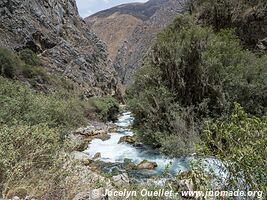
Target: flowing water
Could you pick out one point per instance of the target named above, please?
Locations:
(115, 154)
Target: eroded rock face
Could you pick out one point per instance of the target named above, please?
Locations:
(54, 29)
(129, 31)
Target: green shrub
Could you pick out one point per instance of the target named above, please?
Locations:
(57, 109)
(244, 16)
(25, 150)
(9, 63)
(29, 71)
(32, 69)
(241, 142)
(33, 127)
(33, 130)
(29, 57)
(20, 103)
(26, 64)
(107, 108)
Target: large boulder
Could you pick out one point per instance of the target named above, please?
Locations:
(91, 131)
(147, 165)
(127, 139)
(82, 157)
(184, 182)
(82, 145)
(186, 185)
(84, 135)
(129, 165)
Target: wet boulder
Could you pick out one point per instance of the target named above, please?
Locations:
(82, 145)
(131, 166)
(127, 139)
(145, 164)
(96, 156)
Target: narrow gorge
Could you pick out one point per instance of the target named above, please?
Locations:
(141, 100)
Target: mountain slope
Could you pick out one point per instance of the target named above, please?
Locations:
(130, 29)
(247, 18)
(55, 31)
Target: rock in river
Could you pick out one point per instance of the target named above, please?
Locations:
(127, 139)
(97, 155)
(147, 165)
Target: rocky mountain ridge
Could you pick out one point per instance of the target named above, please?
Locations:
(129, 31)
(67, 48)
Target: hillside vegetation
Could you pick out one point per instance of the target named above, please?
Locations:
(34, 126)
(201, 92)
(248, 18)
(191, 75)
(199, 73)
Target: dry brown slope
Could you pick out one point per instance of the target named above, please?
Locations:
(117, 27)
(129, 31)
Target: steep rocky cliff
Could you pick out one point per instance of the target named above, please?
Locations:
(54, 30)
(130, 29)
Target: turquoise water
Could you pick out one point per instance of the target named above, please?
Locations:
(114, 154)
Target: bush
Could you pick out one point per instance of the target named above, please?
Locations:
(107, 108)
(26, 64)
(25, 150)
(29, 57)
(32, 69)
(29, 71)
(20, 103)
(241, 142)
(58, 109)
(9, 63)
(244, 16)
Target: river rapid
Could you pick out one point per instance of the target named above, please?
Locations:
(114, 154)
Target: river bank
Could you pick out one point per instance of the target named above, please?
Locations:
(124, 163)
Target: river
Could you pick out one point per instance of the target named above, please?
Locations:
(114, 154)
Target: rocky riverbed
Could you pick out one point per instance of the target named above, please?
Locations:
(112, 149)
(116, 159)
